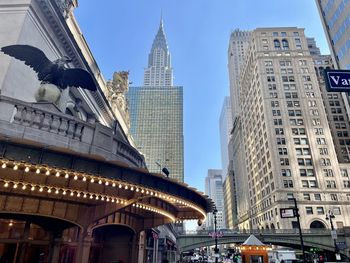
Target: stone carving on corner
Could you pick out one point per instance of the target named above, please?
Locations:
(116, 90)
(66, 6)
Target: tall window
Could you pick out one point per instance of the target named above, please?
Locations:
(277, 44)
(285, 44)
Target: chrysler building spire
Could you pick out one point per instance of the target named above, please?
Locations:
(159, 71)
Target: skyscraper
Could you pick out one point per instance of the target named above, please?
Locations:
(239, 41)
(286, 139)
(225, 129)
(335, 17)
(214, 189)
(156, 112)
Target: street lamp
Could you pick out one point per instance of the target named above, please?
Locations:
(164, 170)
(297, 215)
(330, 216)
(216, 250)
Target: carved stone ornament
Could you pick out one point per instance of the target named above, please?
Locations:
(116, 92)
(66, 6)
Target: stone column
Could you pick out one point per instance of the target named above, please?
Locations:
(24, 246)
(84, 245)
(55, 256)
(55, 246)
(135, 248)
(141, 247)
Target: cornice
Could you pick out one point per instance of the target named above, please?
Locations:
(56, 16)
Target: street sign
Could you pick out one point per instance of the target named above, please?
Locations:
(287, 212)
(334, 234)
(337, 80)
(341, 245)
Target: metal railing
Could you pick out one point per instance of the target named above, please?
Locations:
(226, 232)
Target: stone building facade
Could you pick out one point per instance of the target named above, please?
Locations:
(288, 145)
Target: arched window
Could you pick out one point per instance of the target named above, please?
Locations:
(285, 44)
(317, 224)
(277, 44)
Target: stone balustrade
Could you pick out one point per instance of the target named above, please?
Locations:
(44, 124)
(46, 121)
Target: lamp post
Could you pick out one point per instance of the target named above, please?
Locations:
(330, 216)
(296, 213)
(216, 250)
(164, 169)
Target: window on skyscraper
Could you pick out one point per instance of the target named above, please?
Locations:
(277, 44)
(309, 210)
(285, 44)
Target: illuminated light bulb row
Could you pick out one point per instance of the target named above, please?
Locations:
(154, 210)
(93, 179)
(113, 183)
(58, 173)
(86, 195)
(63, 191)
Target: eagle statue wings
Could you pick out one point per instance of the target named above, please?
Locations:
(53, 72)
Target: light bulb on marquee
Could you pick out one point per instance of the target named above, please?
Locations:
(84, 178)
(47, 172)
(4, 165)
(26, 169)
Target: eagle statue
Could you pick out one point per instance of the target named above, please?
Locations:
(52, 72)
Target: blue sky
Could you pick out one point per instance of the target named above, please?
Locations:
(120, 35)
